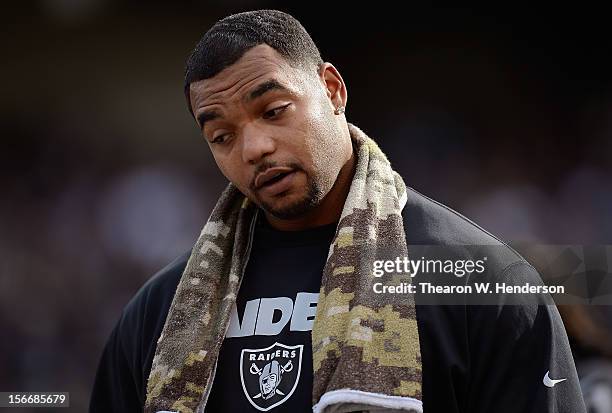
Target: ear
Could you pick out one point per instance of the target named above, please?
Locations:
(334, 85)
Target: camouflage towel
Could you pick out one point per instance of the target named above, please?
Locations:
(366, 353)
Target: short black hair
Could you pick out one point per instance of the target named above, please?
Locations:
(230, 38)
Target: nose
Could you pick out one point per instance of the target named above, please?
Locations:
(256, 143)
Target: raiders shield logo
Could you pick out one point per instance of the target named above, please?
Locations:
(270, 375)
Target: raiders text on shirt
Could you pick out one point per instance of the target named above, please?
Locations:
(259, 314)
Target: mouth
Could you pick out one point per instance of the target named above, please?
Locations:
(274, 181)
(271, 174)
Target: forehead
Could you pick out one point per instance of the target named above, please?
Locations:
(258, 64)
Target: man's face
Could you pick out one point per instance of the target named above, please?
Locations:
(272, 131)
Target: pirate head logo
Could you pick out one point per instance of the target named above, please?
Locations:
(270, 375)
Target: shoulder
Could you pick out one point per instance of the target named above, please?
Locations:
(428, 221)
(432, 226)
(157, 293)
(143, 318)
(435, 231)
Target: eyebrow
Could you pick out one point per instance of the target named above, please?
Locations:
(207, 116)
(265, 87)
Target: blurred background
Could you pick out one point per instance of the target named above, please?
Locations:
(503, 114)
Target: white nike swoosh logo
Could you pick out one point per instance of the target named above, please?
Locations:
(548, 382)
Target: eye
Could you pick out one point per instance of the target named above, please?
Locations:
(272, 113)
(220, 138)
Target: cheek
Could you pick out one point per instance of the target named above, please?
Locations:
(322, 138)
(314, 129)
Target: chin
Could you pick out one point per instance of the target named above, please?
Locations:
(289, 208)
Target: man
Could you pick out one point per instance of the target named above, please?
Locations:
(274, 308)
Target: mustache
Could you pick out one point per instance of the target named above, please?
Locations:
(264, 166)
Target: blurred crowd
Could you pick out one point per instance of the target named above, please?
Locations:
(506, 118)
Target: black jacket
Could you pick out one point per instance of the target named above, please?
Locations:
(475, 358)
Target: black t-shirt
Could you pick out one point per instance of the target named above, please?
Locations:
(265, 361)
(476, 359)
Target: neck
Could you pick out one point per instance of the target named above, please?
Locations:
(330, 208)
